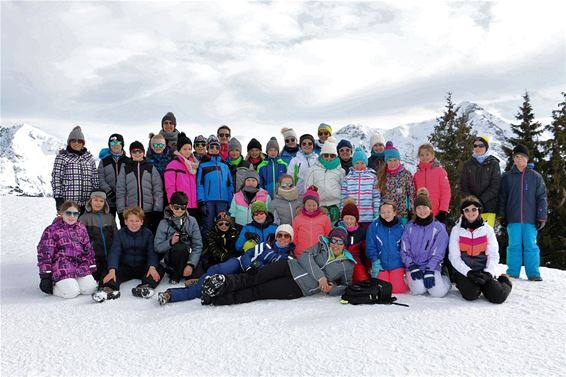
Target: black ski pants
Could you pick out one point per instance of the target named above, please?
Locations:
(176, 261)
(495, 290)
(128, 273)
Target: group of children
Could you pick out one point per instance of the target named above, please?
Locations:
(283, 225)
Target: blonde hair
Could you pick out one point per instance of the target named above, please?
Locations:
(157, 137)
(136, 211)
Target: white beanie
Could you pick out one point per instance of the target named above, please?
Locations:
(376, 138)
(285, 228)
(289, 132)
(329, 146)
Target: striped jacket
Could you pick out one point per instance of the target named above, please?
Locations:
(74, 176)
(362, 187)
(473, 249)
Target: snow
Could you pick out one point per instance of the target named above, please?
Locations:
(48, 336)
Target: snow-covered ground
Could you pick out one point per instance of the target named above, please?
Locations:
(46, 335)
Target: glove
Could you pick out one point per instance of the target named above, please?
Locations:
(442, 216)
(416, 273)
(429, 279)
(540, 224)
(111, 195)
(270, 238)
(58, 203)
(503, 222)
(249, 244)
(487, 276)
(46, 284)
(254, 267)
(203, 209)
(477, 277)
(251, 236)
(375, 268)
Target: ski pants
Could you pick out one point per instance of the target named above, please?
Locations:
(495, 291)
(441, 285)
(176, 261)
(397, 279)
(71, 288)
(128, 273)
(213, 208)
(523, 249)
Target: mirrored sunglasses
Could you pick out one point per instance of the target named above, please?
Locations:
(290, 140)
(158, 145)
(72, 213)
(178, 207)
(223, 223)
(468, 210)
(115, 142)
(337, 241)
(283, 235)
(285, 185)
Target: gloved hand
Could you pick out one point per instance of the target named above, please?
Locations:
(203, 209)
(487, 276)
(375, 268)
(270, 238)
(251, 236)
(58, 202)
(477, 277)
(429, 279)
(46, 284)
(254, 267)
(111, 195)
(442, 216)
(416, 273)
(540, 224)
(249, 244)
(503, 222)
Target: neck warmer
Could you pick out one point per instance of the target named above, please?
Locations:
(378, 155)
(329, 165)
(475, 225)
(353, 228)
(396, 170)
(235, 162)
(170, 137)
(310, 214)
(255, 161)
(426, 221)
(291, 150)
(290, 195)
(389, 224)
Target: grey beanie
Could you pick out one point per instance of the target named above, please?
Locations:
(272, 143)
(234, 144)
(77, 134)
(252, 174)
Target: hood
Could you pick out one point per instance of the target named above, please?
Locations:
(105, 209)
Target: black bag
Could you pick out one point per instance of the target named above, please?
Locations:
(371, 291)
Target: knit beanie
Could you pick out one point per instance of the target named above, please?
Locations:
(483, 139)
(311, 193)
(391, 152)
(258, 206)
(272, 143)
(251, 174)
(422, 198)
(288, 132)
(350, 208)
(344, 143)
(76, 134)
(254, 143)
(200, 139)
(339, 232)
(179, 198)
(212, 140)
(223, 216)
(376, 138)
(468, 201)
(234, 144)
(329, 146)
(359, 155)
(305, 137)
(170, 117)
(182, 140)
(521, 149)
(287, 229)
(116, 137)
(325, 127)
(137, 145)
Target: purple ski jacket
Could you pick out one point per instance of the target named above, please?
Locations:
(65, 251)
(424, 246)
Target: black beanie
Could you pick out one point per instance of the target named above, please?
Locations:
(254, 144)
(169, 116)
(521, 149)
(182, 139)
(116, 137)
(306, 136)
(468, 201)
(137, 145)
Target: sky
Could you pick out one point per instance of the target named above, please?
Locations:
(259, 66)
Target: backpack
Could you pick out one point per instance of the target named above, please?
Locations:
(370, 291)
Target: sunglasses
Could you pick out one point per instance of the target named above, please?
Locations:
(158, 145)
(214, 146)
(168, 122)
(223, 135)
(287, 185)
(320, 133)
(136, 151)
(468, 210)
(328, 155)
(72, 213)
(337, 241)
(258, 213)
(223, 223)
(116, 142)
(290, 140)
(305, 143)
(76, 141)
(200, 144)
(178, 207)
(283, 235)
(479, 146)
(342, 150)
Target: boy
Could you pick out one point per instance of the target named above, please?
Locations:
(271, 168)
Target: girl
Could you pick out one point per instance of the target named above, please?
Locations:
(101, 227)
(238, 166)
(65, 256)
(377, 158)
(159, 153)
(327, 174)
(423, 246)
(356, 243)
(382, 248)
(240, 208)
(310, 223)
(474, 253)
(271, 168)
(261, 228)
(361, 185)
(301, 163)
(396, 183)
(254, 157)
(291, 145)
(431, 175)
(286, 202)
(325, 267)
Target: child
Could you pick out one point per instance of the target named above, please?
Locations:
(382, 248)
(310, 223)
(361, 185)
(259, 230)
(431, 175)
(423, 246)
(303, 160)
(254, 157)
(159, 153)
(291, 144)
(139, 184)
(474, 253)
(240, 208)
(377, 158)
(396, 183)
(65, 256)
(286, 202)
(356, 243)
(220, 242)
(238, 166)
(178, 240)
(200, 148)
(327, 174)
(251, 261)
(132, 257)
(101, 227)
(271, 168)
(109, 168)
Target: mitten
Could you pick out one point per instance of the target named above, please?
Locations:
(46, 284)
(58, 203)
(487, 276)
(375, 268)
(429, 279)
(442, 216)
(416, 273)
(477, 277)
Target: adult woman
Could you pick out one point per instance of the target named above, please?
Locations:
(74, 174)
(325, 267)
(169, 130)
(301, 163)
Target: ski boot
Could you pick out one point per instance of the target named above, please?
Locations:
(106, 293)
(143, 290)
(164, 297)
(212, 285)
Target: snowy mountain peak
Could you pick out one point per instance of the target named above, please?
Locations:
(26, 160)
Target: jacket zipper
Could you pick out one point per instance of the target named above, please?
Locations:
(140, 204)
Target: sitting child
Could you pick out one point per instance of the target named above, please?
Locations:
(258, 231)
(220, 242)
(356, 243)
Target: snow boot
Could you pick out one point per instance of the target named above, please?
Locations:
(164, 297)
(106, 293)
(143, 290)
(205, 299)
(535, 278)
(212, 285)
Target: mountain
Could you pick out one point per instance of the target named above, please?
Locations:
(407, 138)
(26, 160)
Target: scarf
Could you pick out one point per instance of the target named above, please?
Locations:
(389, 224)
(473, 226)
(310, 214)
(396, 170)
(291, 150)
(329, 165)
(255, 161)
(289, 195)
(426, 221)
(78, 153)
(170, 138)
(191, 165)
(235, 162)
(378, 155)
(353, 229)
(159, 160)
(116, 157)
(249, 193)
(481, 158)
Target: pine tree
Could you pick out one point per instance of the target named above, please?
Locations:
(527, 132)
(452, 139)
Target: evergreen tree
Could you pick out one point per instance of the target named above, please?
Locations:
(452, 139)
(527, 132)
